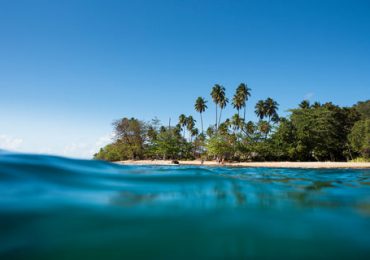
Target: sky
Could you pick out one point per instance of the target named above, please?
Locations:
(68, 69)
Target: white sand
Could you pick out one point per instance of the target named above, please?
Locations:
(308, 165)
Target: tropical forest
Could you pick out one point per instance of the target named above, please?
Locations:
(310, 132)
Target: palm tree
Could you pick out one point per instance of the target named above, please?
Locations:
(271, 107)
(177, 130)
(250, 128)
(223, 128)
(215, 94)
(316, 105)
(264, 127)
(190, 123)
(200, 106)
(210, 131)
(304, 104)
(182, 122)
(194, 132)
(236, 122)
(244, 92)
(223, 101)
(237, 102)
(260, 109)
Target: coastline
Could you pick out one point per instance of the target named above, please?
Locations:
(303, 165)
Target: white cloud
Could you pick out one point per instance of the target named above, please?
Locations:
(10, 143)
(84, 149)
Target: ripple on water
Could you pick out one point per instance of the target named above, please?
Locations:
(53, 207)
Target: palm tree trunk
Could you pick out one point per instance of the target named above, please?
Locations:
(201, 120)
(219, 120)
(244, 114)
(216, 118)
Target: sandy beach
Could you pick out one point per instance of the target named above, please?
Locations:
(306, 165)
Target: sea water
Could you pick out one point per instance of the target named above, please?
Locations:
(58, 208)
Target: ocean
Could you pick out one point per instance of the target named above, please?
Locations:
(58, 208)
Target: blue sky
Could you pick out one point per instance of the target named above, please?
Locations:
(69, 68)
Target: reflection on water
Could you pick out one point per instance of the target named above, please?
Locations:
(53, 207)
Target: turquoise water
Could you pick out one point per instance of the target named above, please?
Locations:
(57, 208)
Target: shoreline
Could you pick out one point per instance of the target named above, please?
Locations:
(302, 165)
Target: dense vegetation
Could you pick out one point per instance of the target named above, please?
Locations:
(317, 132)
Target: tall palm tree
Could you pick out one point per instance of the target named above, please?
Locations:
(222, 102)
(215, 94)
(260, 109)
(271, 107)
(190, 123)
(244, 92)
(237, 102)
(200, 106)
(182, 122)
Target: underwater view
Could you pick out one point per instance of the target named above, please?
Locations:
(58, 208)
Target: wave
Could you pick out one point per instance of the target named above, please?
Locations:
(55, 207)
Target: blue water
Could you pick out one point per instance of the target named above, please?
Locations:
(57, 208)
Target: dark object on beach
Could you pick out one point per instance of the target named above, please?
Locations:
(175, 162)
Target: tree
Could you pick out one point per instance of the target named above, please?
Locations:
(112, 152)
(283, 141)
(210, 131)
(304, 104)
(321, 133)
(244, 93)
(237, 102)
(200, 107)
(359, 138)
(236, 122)
(182, 122)
(249, 128)
(271, 107)
(168, 145)
(194, 133)
(219, 98)
(219, 146)
(223, 101)
(363, 107)
(131, 133)
(260, 109)
(190, 124)
(215, 94)
(264, 128)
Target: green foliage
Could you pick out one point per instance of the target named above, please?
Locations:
(319, 133)
(361, 159)
(359, 138)
(200, 106)
(131, 134)
(363, 107)
(220, 146)
(169, 145)
(311, 132)
(112, 152)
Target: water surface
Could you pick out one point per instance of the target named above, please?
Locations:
(57, 208)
